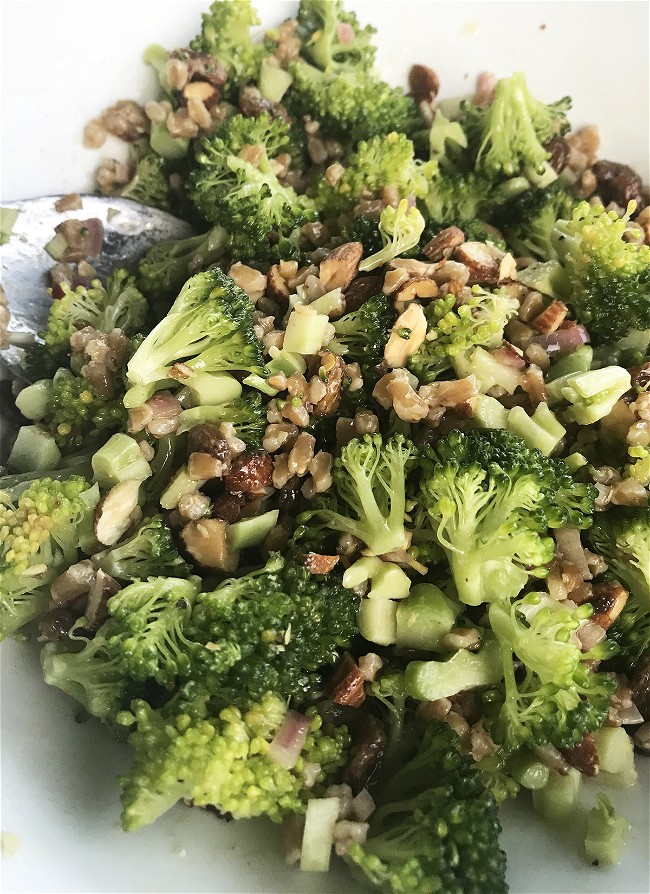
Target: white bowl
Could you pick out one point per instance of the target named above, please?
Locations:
(62, 63)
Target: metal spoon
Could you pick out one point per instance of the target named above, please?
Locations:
(130, 229)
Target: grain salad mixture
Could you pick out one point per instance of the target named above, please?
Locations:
(338, 510)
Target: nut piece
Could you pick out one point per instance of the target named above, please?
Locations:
(551, 318)
(113, 514)
(584, 756)
(423, 83)
(347, 685)
(608, 601)
(417, 287)
(200, 90)
(206, 541)
(276, 284)
(337, 270)
(482, 265)
(332, 376)
(443, 244)
(74, 582)
(204, 466)
(250, 280)
(406, 337)
(315, 563)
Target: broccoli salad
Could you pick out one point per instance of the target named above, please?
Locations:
(338, 511)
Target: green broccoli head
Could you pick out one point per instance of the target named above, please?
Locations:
(353, 105)
(76, 416)
(150, 182)
(225, 34)
(508, 136)
(604, 278)
(39, 533)
(622, 537)
(361, 335)
(332, 38)
(223, 760)
(149, 552)
(282, 624)
(528, 220)
(436, 828)
(555, 699)
(245, 195)
(455, 328)
(457, 198)
(383, 161)
(400, 230)
(118, 305)
(491, 500)
(247, 413)
(209, 327)
(369, 483)
(169, 264)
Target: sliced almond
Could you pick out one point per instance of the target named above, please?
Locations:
(315, 563)
(482, 265)
(199, 90)
(443, 244)
(416, 287)
(347, 687)
(276, 284)
(393, 280)
(337, 270)
(551, 318)
(206, 541)
(413, 267)
(406, 337)
(113, 514)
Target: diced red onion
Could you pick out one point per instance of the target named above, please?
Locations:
(285, 748)
(345, 32)
(564, 341)
(95, 236)
(508, 356)
(590, 634)
(630, 716)
(362, 806)
(552, 758)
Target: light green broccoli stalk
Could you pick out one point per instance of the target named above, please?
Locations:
(400, 230)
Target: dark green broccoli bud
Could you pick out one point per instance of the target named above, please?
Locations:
(369, 482)
(363, 229)
(452, 330)
(352, 106)
(491, 500)
(209, 327)
(380, 162)
(39, 537)
(169, 264)
(150, 182)
(556, 699)
(622, 537)
(247, 413)
(508, 136)
(604, 279)
(362, 334)
(282, 624)
(118, 305)
(332, 38)
(435, 828)
(225, 34)
(528, 220)
(246, 196)
(76, 416)
(222, 760)
(459, 198)
(149, 552)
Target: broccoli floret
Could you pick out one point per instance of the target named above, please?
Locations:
(400, 230)
(622, 537)
(639, 466)
(509, 135)
(283, 624)
(221, 760)
(169, 264)
(436, 828)
(150, 182)
(244, 195)
(332, 38)
(528, 220)
(76, 416)
(118, 305)
(362, 334)
(352, 106)
(225, 34)
(380, 162)
(459, 198)
(556, 699)
(209, 327)
(491, 500)
(149, 552)
(247, 413)
(452, 330)
(369, 480)
(39, 534)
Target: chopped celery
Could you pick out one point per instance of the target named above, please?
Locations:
(211, 389)
(165, 145)
(56, 246)
(260, 384)
(286, 362)
(577, 361)
(489, 413)
(616, 756)
(318, 835)
(607, 833)
(180, 485)
(119, 460)
(555, 802)
(529, 772)
(305, 331)
(34, 450)
(576, 461)
(328, 303)
(431, 680)
(488, 371)
(251, 531)
(541, 430)
(378, 621)
(274, 81)
(387, 580)
(8, 218)
(33, 400)
(424, 618)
